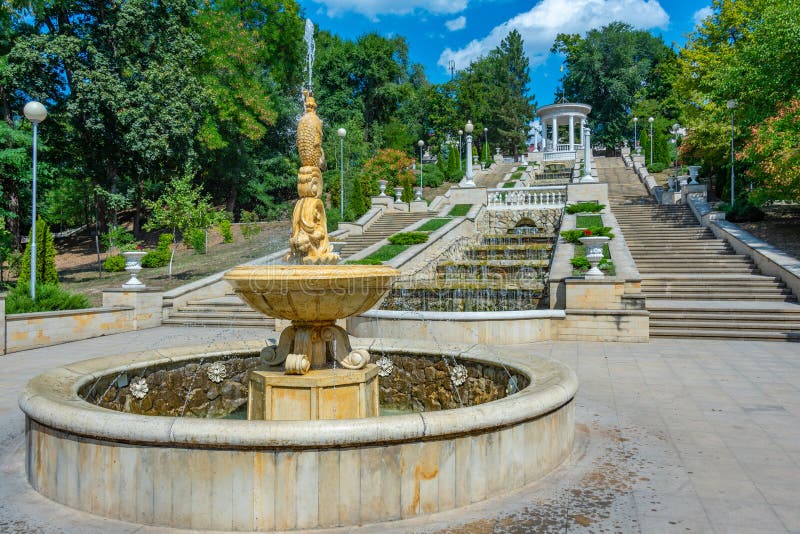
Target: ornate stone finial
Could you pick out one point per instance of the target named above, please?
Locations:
(309, 242)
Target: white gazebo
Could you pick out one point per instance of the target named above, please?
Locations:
(569, 115)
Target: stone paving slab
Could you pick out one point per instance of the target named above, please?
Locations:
(672, 436)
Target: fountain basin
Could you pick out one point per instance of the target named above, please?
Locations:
(311, 293)
(275, 475)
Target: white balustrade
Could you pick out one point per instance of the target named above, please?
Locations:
(560, 156)
(526, 198)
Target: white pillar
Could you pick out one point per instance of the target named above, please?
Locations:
(468, 182)
(555, 134)
(587, 158)
(571, 133)
(581, 131)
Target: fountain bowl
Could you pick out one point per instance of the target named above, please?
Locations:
(311, 293)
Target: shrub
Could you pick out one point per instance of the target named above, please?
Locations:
(45, 256)
(460, 210)
(657, 166)
(161, 255)
(743, 211)
(408, 238)
(249, 228)
(574, 236)
(225, 231)
(114, 264)
(585, 207)
(197, 240)
(49, 297)
(118, 237)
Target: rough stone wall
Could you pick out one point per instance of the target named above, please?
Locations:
(170, 389)
(417, 383)
(501, 221)
(422, 383)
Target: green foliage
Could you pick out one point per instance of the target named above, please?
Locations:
(585, 207)
(588, 221)
(197, 240)
(390, 165)
(459, 210)
(45, 256)
(115, 263)
(161, 255)
(574, 236)
(385, 253)
(359, 202)
(249, 226)
(742, 211)
(453, 172)
(610, 68)
(581, 264)
(183, 207)
(408, 238)
(118, 237)
(509, 185)
(433, 225)
(49, 297)
(365, 261)
(225, 230)
(656, 166)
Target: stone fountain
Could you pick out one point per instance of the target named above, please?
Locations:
(313, 294)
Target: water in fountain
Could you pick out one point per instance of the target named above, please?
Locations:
(311, 49)
(503, 272)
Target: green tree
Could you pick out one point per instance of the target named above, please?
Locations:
(611, 68)
(183, 207)
(45, 256)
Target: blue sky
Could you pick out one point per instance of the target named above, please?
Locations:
(438, 31)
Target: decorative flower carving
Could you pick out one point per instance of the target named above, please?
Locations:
(385, 366)
(458, 374)
(216, 372)
(139, 388)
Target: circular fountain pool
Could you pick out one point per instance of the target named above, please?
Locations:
(205, 473)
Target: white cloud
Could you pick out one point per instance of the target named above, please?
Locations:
(373, 8)
(702, 14)
(456, 24)
(540, 25)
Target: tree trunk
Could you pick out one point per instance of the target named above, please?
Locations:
(11, 192)
(137, 216)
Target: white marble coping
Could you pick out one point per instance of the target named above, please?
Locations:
(464, 316)
(52, 400)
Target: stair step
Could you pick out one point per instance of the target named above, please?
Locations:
(755, 335)
(720, 324)
(212, 314)
(712, 295)
(222, 322)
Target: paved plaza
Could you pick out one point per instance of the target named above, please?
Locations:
(672, 436)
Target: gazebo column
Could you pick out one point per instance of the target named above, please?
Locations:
(555, 134)
(571, 133)
(581, 131)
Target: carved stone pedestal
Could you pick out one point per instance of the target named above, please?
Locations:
(319, 394)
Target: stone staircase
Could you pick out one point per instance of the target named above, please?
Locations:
(696, 285)
(221, 311)
(389, 224)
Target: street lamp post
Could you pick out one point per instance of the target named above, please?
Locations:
(341, 132)
(460, 141)
(469, 127)
(674, 131)
(486, 143)
(732, 105)
(635, 137)
(650, 120)
(421, 144)
(36, 113)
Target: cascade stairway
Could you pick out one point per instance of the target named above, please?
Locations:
(695, 284)
(229, 310)
(389, 224)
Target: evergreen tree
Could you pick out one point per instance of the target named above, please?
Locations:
(45, 256)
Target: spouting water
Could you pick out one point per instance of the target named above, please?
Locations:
(308, 37)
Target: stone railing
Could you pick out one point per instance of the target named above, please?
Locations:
(546, 197)
(560, 156)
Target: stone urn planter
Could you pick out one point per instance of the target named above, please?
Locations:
(594, 253)
(382, 187)
(133, 264)
(694, 172)
(418, 191)
(398, 194)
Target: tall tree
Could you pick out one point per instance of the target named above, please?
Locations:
(611, 68)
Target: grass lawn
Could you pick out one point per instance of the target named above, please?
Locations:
(460, 210)
(588, 221)
(433, 225)
(516, 176)
(385, 253)
(509, 185)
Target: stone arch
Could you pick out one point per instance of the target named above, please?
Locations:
(547, 220)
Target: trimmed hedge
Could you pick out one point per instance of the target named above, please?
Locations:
(408, 238)
(585, 207)
(49, 297)
(114, 264)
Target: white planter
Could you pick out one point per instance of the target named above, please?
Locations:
(694, 172)
(398, 194)
(133, 264)
(382, 186)
(419, 193)
(594, 253)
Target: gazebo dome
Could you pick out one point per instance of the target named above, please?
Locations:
(562, 114)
